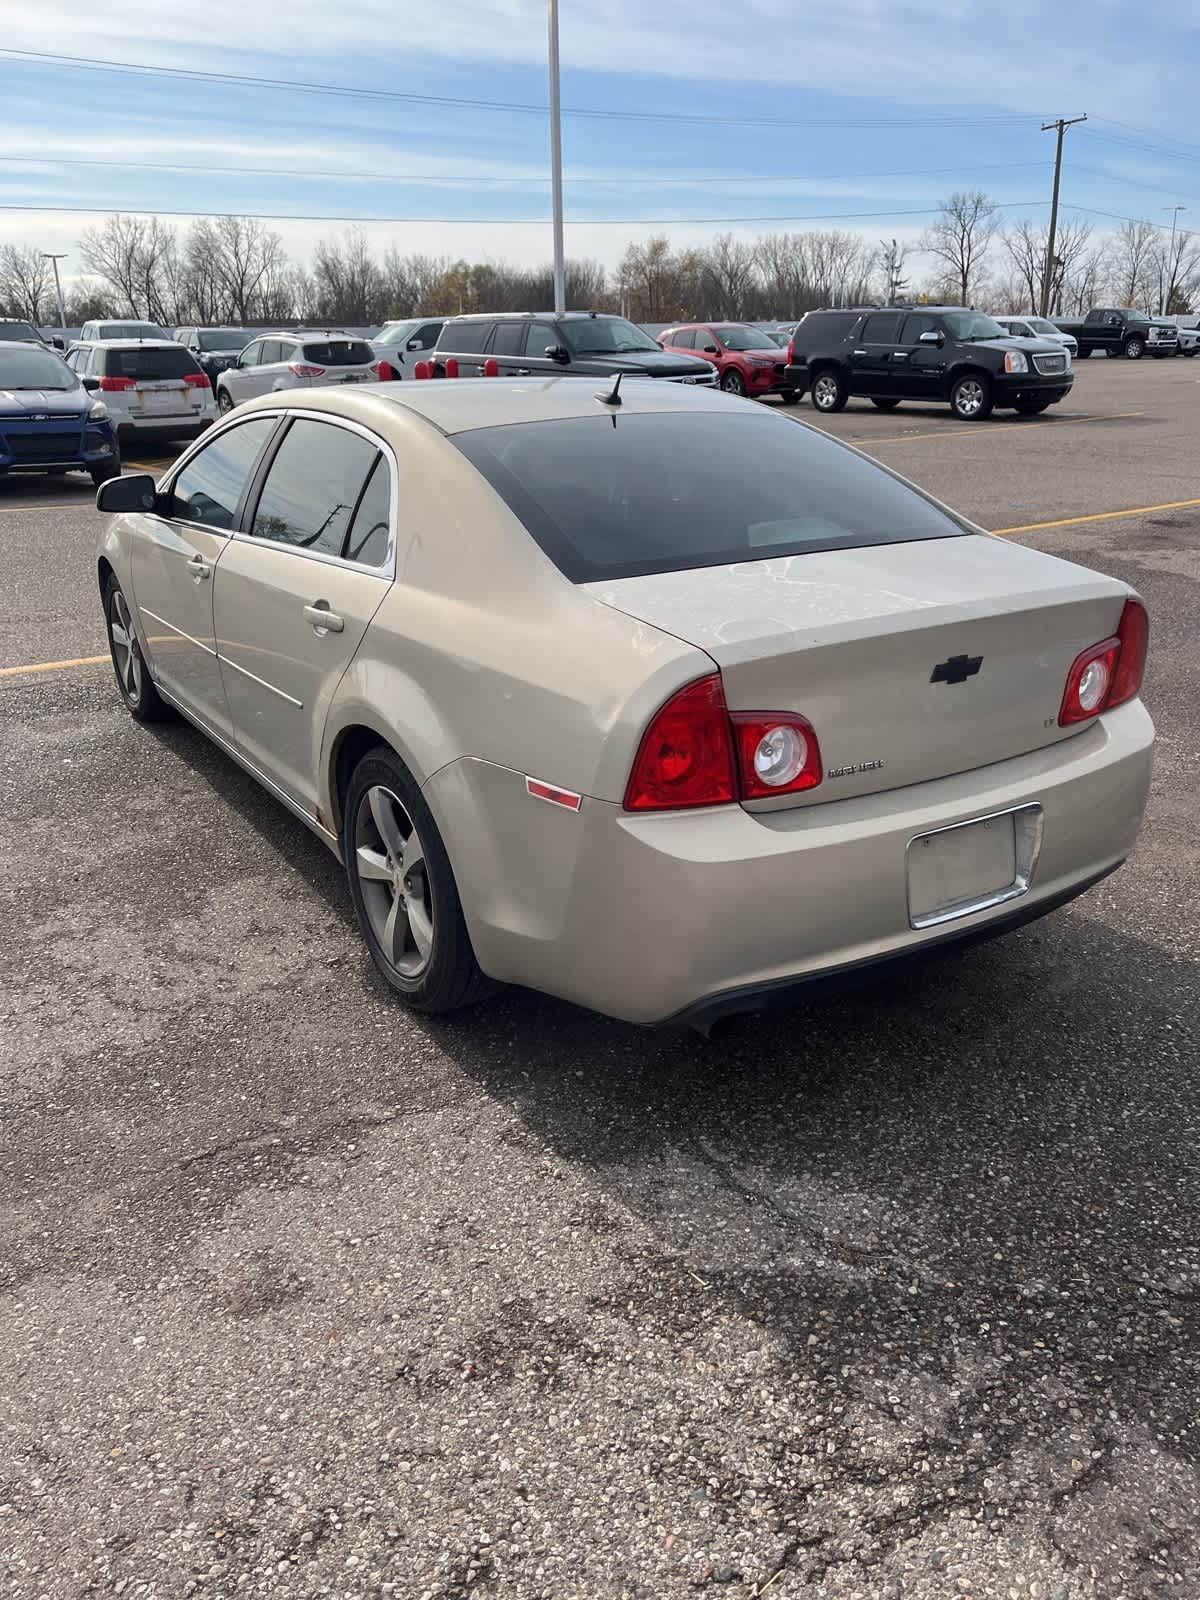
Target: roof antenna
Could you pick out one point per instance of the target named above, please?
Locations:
(613, 397)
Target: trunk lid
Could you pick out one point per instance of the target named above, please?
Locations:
(911, 661)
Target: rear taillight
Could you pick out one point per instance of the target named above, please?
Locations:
(791, 352)
(777, 753)
(1109, 673)
(197, 380)
(298, 369)
(695, 753)
(116, 385)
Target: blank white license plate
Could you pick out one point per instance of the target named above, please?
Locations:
(956, 870)
(161, 400)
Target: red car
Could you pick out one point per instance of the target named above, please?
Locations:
(748, 360)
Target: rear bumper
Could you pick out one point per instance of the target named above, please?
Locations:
(693, 914)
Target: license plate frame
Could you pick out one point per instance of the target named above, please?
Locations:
(973, 865)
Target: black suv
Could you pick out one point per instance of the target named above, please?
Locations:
(586, 343)
(930, 353)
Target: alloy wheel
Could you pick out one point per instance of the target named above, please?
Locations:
(969, 400)
(825, 391)
(389, 858)
(127, 658)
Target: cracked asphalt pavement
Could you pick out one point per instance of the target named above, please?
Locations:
(894, 1295)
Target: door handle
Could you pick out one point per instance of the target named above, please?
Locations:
(198, 567)
(900, 355)
(322, 619)
(858, 352)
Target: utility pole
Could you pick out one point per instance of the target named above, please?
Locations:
(1169, 289)
(54, 260)
(1062, 125)
(560, 291)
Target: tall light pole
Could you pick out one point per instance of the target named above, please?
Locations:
(1170, 284)
(560, 290)
(54, 260)
(1062, 124)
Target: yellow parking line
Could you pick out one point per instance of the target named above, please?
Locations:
(986, 433)
(1098, 516)
(51, 666)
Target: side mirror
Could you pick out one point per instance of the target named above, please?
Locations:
(559, 353)
(57, 343)
(134, 492)
(90, 384)
(710, 350)
(413, 344)
(931, 336)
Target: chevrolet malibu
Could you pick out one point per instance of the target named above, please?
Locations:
(581, 708)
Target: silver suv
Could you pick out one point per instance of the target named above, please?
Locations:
(300, 359)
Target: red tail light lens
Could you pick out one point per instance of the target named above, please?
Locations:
(696, 753)
(116, 385)
(777, 753)
(197, 380)
(686, 754)
(300, 370)
(1109, 673)
(791, 352)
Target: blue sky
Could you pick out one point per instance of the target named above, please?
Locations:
(901, 101)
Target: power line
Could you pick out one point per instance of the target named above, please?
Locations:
(1150, 133)
(530, 182)
(196, 75)
(1132, 183)
(511, 222)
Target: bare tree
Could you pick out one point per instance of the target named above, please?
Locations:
(658, 284)
(1025, 246)
(727, 277)
(1132, 264)
(1176, 266)
(24, 281)
(131, 255)
(245, 252)
(960, 239)
(349, 284)
(87, 299)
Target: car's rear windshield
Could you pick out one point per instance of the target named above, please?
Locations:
(131, 330)
(340, 353)
(222, 339)
(35, 369)
(149, 363)
(614, 496)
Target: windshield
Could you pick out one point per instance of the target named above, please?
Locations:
(20, 331)
(604, 336)
(222, 339)
(614, 496)
(1042, 325)
(737, 337)
(35, 369)
(131, 330)
(972, 325)
(393, 332)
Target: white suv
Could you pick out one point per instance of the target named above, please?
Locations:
(91, 332)
(403, 344)
(301, 359)
(152, 387)
(1027, 327)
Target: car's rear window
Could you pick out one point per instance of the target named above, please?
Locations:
(149, 363)
(614, 496)
(340, 353)
(826, 325)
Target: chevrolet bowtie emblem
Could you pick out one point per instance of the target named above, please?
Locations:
(956, 670)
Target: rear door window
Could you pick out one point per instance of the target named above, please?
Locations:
(882, 327)
(339, 353)
(917, 323)
(367, 540)
(312, 487)
(148, 364)
(509, 339)
(270, 353)
(210, 487)
(685, 339)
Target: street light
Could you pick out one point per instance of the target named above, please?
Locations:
(1165, 306)
(48, 255)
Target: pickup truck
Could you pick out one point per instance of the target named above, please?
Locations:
(1121, 332)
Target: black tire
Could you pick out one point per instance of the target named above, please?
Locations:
(102, 474)
(1134, 349)
(829, 391)
(791, 397)
(884, 404)
(732, 381)
(1032, 408)
(224, 402)
(450, 977)
(1113, 355)
(1189, 353)
(971, 398)
(136, 687)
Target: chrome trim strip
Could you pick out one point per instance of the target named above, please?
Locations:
(146, 612)
(228, 661)
(244, 761)
(1028, 824)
